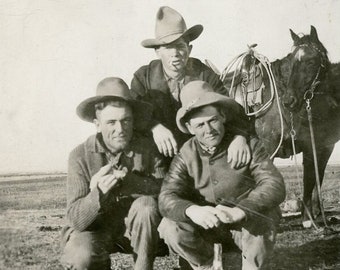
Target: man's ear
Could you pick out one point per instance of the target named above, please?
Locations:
(190, 48)
(97, 124)
(157, 52)
(223, 116)
(188, 126)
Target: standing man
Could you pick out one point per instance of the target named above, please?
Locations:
(203, 200)
(160, 83)
(112, 184)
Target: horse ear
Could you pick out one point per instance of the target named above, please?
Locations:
(313, 33)
(295, 37)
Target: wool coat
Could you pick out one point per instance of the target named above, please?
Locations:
(91, 209)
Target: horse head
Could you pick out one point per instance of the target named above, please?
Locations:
(309, 63)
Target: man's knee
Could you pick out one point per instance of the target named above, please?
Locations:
(145, 208)
(83, 252)
(175, 233)
(257, 248)
(145, 204)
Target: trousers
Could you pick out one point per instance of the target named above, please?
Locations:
(90, 250)
(195, 244)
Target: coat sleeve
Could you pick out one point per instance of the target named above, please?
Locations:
(176, 188)
(139, 90)
(269, 189)
(83, 205)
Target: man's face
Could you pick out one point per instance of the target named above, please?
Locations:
(174, 56)
(207, 125)
(116, 125)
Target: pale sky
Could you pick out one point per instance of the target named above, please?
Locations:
(53, 54)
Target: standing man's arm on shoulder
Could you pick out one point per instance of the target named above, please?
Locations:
(269, 189)
(138, 84)
(239, 151)
(214, 80)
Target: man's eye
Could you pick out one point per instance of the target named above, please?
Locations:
(126, 121)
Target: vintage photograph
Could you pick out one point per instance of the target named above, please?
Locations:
(170, 135)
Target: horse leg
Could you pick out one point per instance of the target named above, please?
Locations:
(323, 157)
(309, 175)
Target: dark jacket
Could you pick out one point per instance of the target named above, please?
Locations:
(149, 84)
(196, 177)
(86, 209)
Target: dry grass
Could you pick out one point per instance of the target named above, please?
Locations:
(32, 214)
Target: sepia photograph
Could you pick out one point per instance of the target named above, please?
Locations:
(170, 134)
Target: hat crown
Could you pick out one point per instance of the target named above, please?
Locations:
(192, 92)
(115, 87)
(169, 22)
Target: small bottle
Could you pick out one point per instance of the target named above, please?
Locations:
(217, 263)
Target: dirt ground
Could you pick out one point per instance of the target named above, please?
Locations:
(32, 215)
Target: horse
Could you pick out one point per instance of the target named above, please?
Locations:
(313, 95)
(282, 123)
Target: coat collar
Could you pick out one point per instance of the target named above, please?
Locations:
(221, 148)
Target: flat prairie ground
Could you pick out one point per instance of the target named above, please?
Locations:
(32, 213)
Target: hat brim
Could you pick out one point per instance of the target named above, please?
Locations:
(190, 34)
(142, 111)
(229, 105)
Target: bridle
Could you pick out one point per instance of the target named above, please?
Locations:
(310, 92)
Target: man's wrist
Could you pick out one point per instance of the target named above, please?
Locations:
(190, 209)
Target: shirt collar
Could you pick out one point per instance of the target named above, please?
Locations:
(168, 78)
(212, 151)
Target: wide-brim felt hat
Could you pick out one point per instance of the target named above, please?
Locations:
(113, 88)
(171, 26)
(197, 94)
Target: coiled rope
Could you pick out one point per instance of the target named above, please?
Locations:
(236, 64)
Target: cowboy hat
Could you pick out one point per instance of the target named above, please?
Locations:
(197, 94)
(171, 26)
(113, 88)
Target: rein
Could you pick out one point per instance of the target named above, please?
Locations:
(308, 96)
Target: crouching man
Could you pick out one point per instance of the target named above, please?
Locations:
(204, 200)
(113, 181)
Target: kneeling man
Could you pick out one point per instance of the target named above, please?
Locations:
(204, 200)
(113, 181)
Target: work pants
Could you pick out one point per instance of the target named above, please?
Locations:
(195, 244)
(91, 249)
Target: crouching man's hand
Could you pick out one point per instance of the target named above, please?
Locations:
(105, 180)
(234, 214)
(207, 216)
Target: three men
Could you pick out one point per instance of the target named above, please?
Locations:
(160, 83)
(114, 177)
(112, 184)
(205, 200)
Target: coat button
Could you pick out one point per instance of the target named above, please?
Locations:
(211, 162)
(215, 182)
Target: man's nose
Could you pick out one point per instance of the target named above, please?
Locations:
(175, 51)
(118, 126)
(208, 127)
